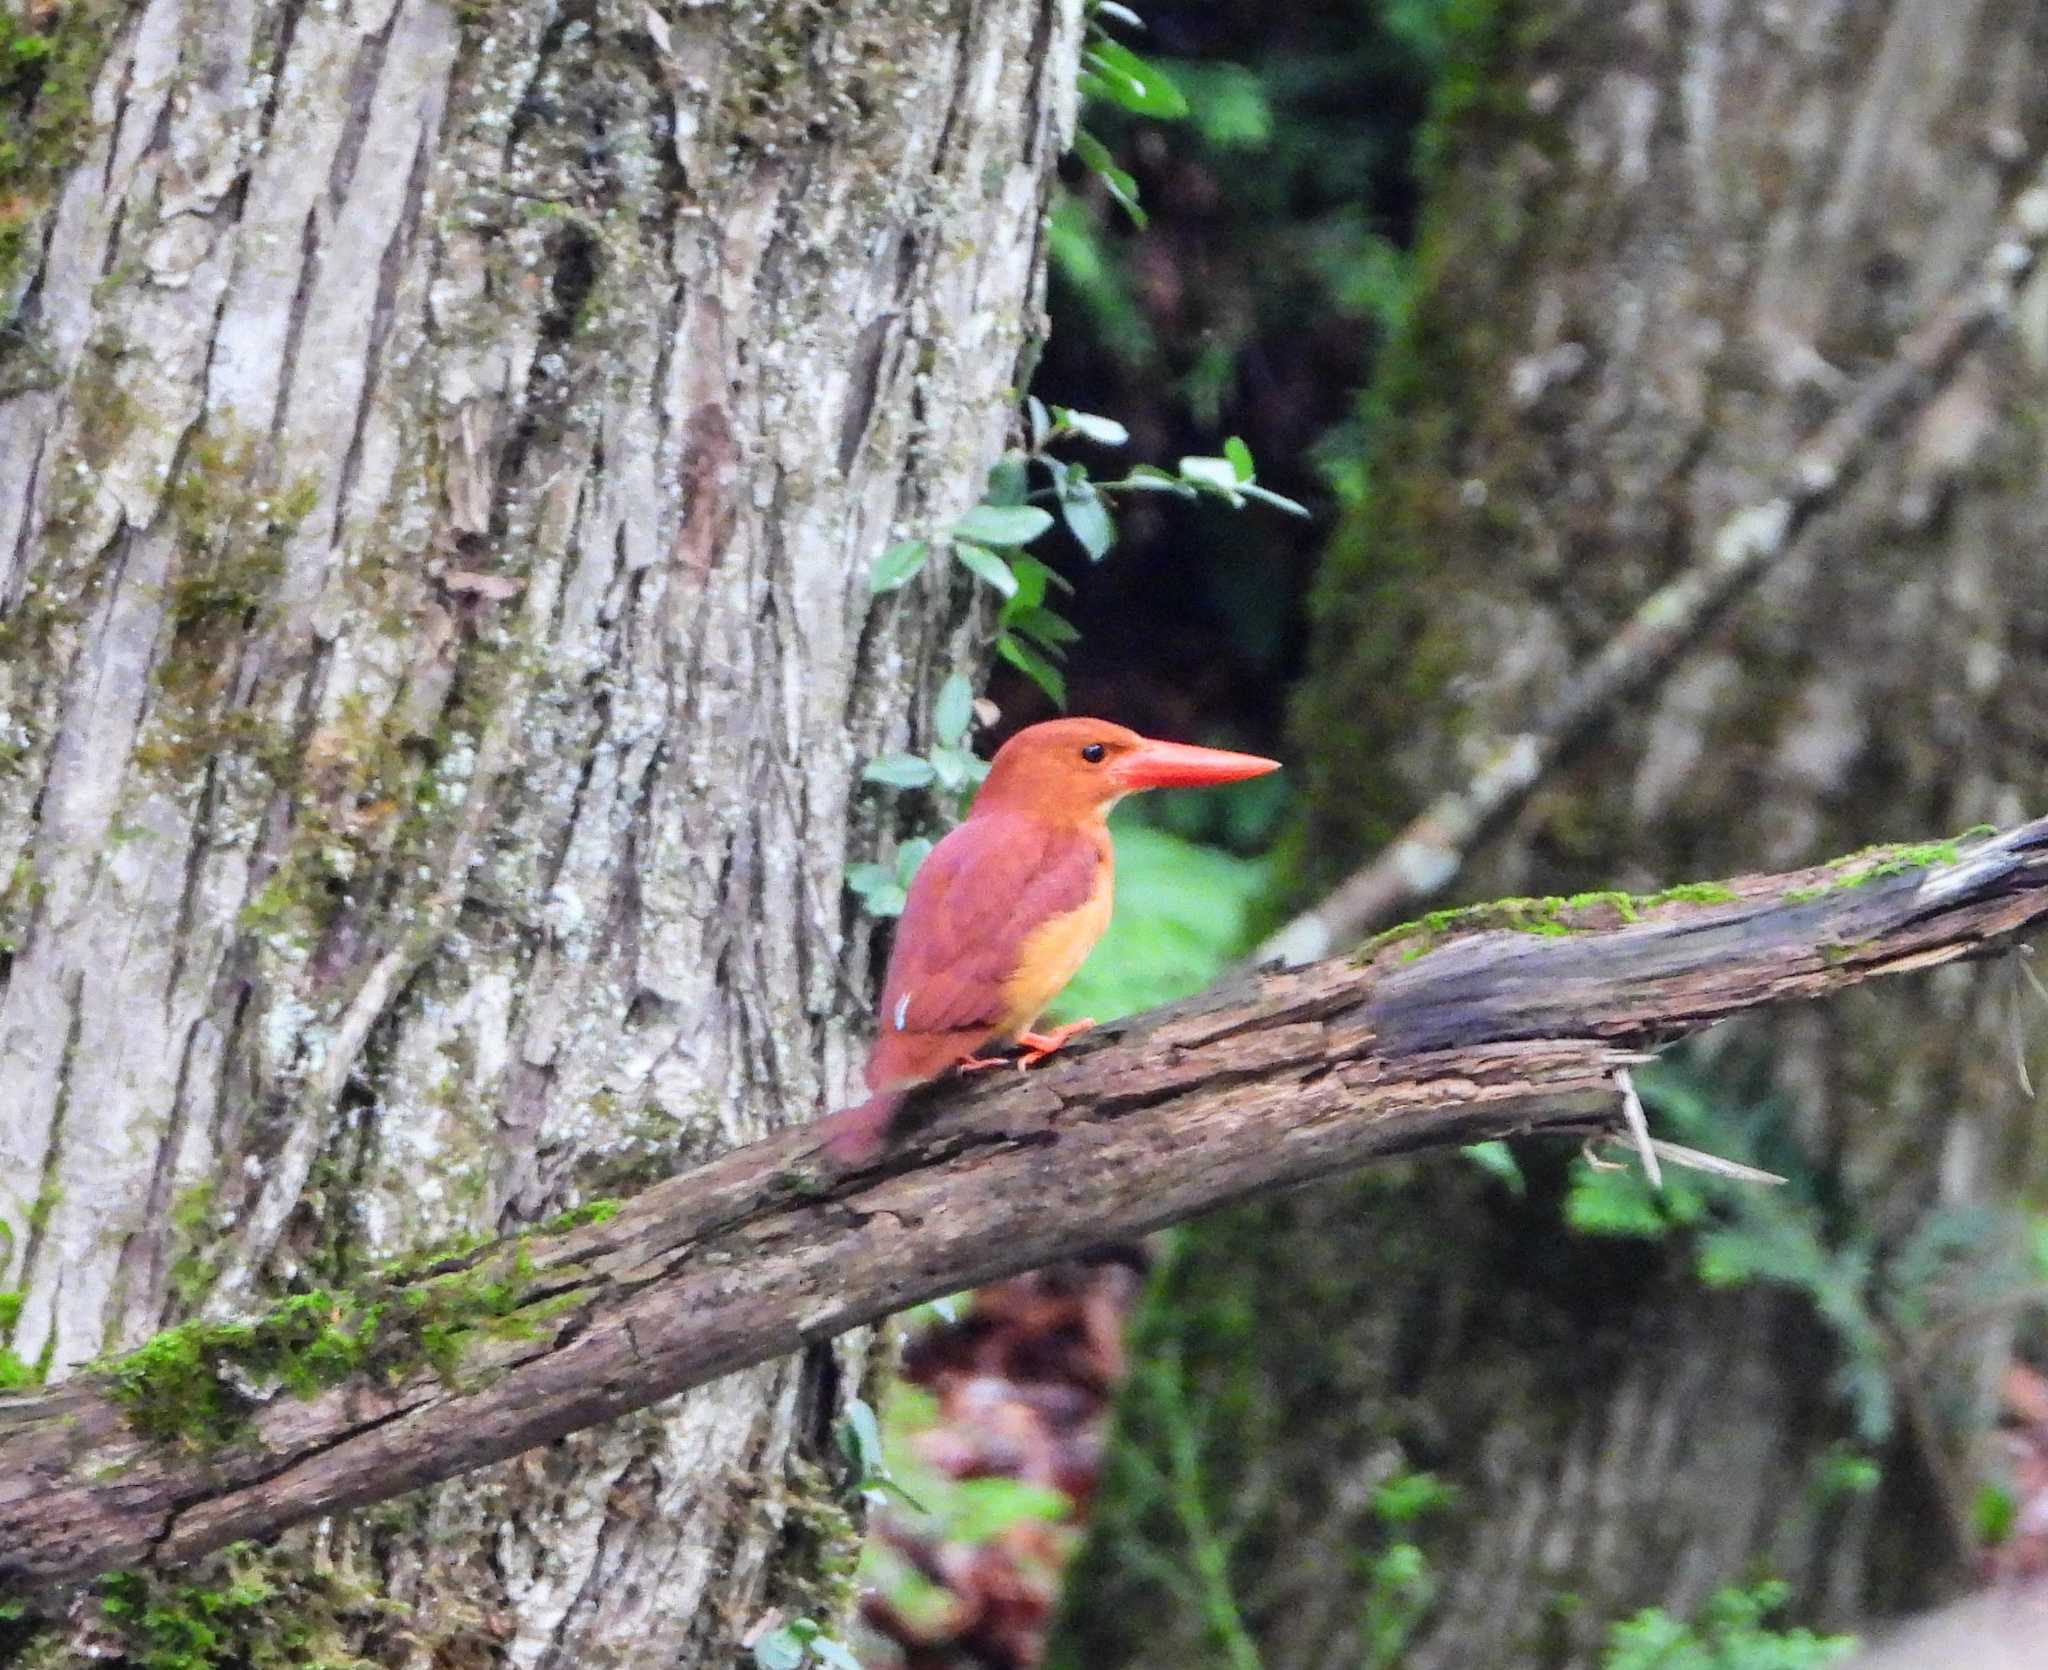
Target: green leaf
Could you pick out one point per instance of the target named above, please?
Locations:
(1118, 14)
(1088, 520)
(908, 857)
(1617, 1201)
(1279, 501)
(1216, 474)
(899, 771)
(778, 1650)
(985, 565)
(1096, 159)
(957, 768)
(1150, 478)
(1103, 431)
(828, 1651)
(1120, 75)
(878, 889)
(1993, 1512)
(1009, 482)
(1033, 666)
(1040, 420)
(1042, 627)
(1496, 1159)
(1240, 457)
(1093, 153)
(1232, 108)
(1406, 1497)
(898, 565)
(860, 1439)
(1003, 524)
(1033, 577)
(865, 878)
(954, 710)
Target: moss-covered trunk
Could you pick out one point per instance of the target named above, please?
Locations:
(442, 446)
(1660, 240)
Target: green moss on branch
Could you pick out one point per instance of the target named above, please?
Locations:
(1553, 915)
(199, 1383)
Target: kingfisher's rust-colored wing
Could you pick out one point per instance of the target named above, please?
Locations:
(999, 908)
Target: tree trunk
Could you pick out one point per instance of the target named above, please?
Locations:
(1659, 240)
(442, 450)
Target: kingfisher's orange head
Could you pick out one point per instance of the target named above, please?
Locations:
(1078, 768)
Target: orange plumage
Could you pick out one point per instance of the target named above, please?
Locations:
(1009, 905)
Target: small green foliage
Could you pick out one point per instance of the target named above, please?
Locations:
(859, 1436)
(1614, 1199)
(951, 766)
(1002, 524)
(1401, 1583)
(883, 889)
(1408, 1496)
(1994, 1510)
(900, 771)
(1729, 1634)
(1498, 1160)
(989, 540)
(1398, 1595)
(899, 565)
(1845, 1471)
(1112, 73)
(799, 1642)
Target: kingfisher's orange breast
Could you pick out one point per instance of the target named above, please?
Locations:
(1053, 952)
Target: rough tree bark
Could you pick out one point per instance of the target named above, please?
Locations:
(441, 451)
(1660, 241)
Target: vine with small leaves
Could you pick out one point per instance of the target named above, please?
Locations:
(989, 540)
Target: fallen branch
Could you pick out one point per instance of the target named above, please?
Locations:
(1420, 862)
(213, 1432)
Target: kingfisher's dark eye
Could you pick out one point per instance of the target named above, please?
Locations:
(1093, 753)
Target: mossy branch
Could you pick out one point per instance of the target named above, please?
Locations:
(1514, 1018)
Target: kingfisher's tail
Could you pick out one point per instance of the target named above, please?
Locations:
(853, 1136)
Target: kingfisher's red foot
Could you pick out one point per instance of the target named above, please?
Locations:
(1039, 1045)
(975, 1063)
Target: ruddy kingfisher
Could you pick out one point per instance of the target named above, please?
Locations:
(1008, 906)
